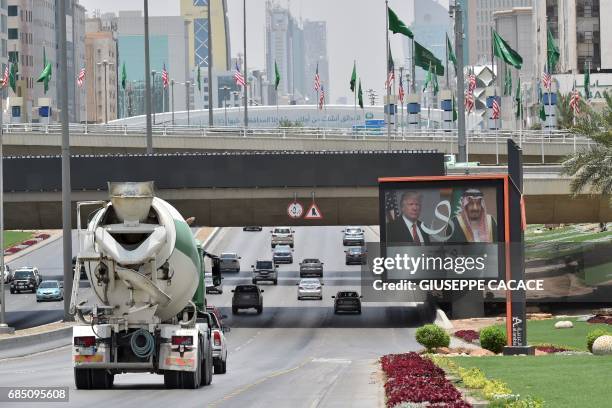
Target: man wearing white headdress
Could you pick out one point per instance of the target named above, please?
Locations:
(472, 223)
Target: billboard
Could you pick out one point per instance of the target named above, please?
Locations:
(449, 227)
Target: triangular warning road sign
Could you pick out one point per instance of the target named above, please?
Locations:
(313, 213)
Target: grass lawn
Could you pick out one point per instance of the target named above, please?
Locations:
(561, 381)
(15, 237)
(543, 331)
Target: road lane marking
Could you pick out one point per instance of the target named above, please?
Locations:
(260, 381)
(248, 341)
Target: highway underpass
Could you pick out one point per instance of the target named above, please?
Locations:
(236, 189)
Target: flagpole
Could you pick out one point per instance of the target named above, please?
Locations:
(246, 73)
(355, 99)
(277, 116)
(388, 116)
(447, 80)
(401, 103)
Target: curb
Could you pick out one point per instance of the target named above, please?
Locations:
(10, 258)
(212, 235)
(61, 336)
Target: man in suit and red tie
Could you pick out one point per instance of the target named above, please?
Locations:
(408, 228)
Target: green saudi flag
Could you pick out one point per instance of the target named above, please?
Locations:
(397, 26)
(199, 79)
(553, 53)
(360, 95)
(45, 75)
(450, 54)
(587, 81)
(455, 116)
(424, 58)
(123, 76)
(277, 77)
(508, 82)
(354, 77)
(432, 79)
(13, 76)
(517, 98)
(502, 50)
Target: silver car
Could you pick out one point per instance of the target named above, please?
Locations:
(310, 288)
(353, 236)
(282, 254)
(230, 262)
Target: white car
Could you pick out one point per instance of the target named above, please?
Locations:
(219, 345)
(310, 288)
(7, 274)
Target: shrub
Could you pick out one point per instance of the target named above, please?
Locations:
(473, 377)
(431, 336)
(495, 387)
(593, 335)
(493, 339)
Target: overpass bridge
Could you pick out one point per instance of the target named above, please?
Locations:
(236, 189)
(485, 147)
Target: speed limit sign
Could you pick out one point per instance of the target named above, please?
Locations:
(295, 210)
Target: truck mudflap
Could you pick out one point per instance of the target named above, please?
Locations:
(179, 349)
(91, 345)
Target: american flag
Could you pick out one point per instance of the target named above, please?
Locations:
(81, 77)
(575, 102)
(322, 98)
(472, 83)
(5, 78)
(469, 101)
(238, 77)
(391, 207)
(165, 80)
(390, 78)
(401, 90)
(496, 109)
(547, 80)
(317, 80)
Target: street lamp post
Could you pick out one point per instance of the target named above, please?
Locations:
(187, 84)
(172, 96)
(105, 64)
(153, 72)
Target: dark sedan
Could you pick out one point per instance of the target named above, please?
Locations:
(246, 297)
(252, 228)
(311, 267)
(347, 302)
(356, 256)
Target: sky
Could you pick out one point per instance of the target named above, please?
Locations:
(355, 31)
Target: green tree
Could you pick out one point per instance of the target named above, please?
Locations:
(592, 166)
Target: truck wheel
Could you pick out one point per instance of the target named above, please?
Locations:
(259, 309)
(192, 379)
(82, 379)
(234, 310)
(207, 367)
(220, 367)
(100, 379)
(275, 281)
(171, 379)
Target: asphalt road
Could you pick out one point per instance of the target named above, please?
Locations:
(296, 353)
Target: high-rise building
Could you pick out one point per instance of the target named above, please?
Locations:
(431, 23)
(579, 32)
(168, 45)
(3, 40)
(285, 46)
(477, 25)
(315, 47)
(100, 86)
(195, 13)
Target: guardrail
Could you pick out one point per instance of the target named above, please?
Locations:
(542, 137)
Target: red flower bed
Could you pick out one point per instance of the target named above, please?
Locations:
(412, 378)
(551, 349)
(29, 242)
(600, 319)
(467, 335)
(12, 250)
(43, 236)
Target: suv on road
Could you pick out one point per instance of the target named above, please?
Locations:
(353, 236)
(347, 301)
(311, 267)
(265, 271)
(219, 343)
(26, 278)
(282, 236)
(356, 256)
(246, 297)
(230, 262)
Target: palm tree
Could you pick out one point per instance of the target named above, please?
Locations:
(593, 165)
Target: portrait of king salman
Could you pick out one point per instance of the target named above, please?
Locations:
(472, 222)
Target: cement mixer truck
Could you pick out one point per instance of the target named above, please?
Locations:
(146, 310)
